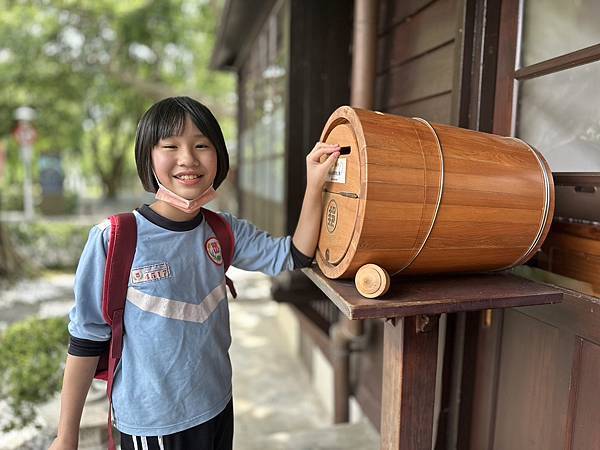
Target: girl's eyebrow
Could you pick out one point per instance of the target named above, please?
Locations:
(198, 135)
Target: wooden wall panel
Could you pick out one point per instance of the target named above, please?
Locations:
(416, 58)
(427, 76)
(586, 432)
(435, 109)
(427, 30)
(368, 367)
(392, 12)
(577, 314)
(533, 388)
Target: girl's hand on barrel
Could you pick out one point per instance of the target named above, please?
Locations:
(318, 163)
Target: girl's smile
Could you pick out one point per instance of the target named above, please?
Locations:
(189, 179)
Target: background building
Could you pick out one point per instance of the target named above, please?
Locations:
(524, 378)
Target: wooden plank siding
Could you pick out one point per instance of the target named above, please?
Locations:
(435, 109)
(421, 78)
(421, 34)
(415, 62)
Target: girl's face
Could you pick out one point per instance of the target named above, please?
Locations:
(185, 164)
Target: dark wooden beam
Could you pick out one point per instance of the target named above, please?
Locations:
(568, 61)
(505, 79)
(409, 374)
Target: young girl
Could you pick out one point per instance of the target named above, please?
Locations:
(172, 388)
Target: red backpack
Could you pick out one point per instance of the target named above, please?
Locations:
(121, 250)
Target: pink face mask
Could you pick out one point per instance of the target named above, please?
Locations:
(183, 204)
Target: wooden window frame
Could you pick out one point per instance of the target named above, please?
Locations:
(508, 77)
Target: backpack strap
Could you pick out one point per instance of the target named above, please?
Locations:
(121, 250)
(224, 234)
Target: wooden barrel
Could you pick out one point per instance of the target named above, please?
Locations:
(415, 197)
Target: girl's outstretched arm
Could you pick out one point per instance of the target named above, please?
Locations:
(306, 235)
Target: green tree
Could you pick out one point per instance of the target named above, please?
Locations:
(91, 67)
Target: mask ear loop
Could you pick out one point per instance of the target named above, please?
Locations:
(156, 179)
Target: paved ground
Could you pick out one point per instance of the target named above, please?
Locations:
(275, 404)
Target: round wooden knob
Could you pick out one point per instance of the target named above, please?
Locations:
(372, 281)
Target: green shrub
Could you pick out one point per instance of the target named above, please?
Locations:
(49, 244)
(32, 356)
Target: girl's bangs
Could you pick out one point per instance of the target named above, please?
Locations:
(171, 123)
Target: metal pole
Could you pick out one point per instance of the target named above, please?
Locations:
(25, 135)
(27, 157)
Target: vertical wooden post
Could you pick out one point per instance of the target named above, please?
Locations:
(409, 375)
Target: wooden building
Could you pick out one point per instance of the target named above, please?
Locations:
(518, 378)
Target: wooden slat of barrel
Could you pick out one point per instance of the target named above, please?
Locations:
(462, 260)
(453, 235)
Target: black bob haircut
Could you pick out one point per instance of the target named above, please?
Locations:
(167, 118)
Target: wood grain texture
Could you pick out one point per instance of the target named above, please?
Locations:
(411, 296)
(393, 12)
(409, 371)
(435, 109)
(573, 250)
(428, 29)
(534, 381)
(417, 79)
(432, 198)
(586, 433)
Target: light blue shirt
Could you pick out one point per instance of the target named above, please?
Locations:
(175, 371)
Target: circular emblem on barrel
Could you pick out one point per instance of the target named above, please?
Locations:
(332, 215)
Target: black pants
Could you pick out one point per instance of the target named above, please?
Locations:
(216, 434)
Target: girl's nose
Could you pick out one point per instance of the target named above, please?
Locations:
(187, 157)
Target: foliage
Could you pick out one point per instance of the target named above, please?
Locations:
(49, 244)
(90, 68)
(32, 355)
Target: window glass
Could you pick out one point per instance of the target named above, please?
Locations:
(555, 27)
(264, 83)
(559, 114)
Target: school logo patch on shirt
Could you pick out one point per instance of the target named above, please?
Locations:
(213, 249)
(152, 272)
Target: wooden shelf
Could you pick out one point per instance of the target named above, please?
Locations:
(411, 296)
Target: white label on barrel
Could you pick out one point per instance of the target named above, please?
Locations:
(337, 174)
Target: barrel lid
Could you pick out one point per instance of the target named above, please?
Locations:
(341, 197)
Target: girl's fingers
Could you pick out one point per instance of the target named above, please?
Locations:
(331, 158)
(323, 149)
(321, 145)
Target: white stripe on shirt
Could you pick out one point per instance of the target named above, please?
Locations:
(144, 442)
(174, 309)
(135, 447)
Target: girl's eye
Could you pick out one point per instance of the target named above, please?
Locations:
(201, 146)
(169, 146)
